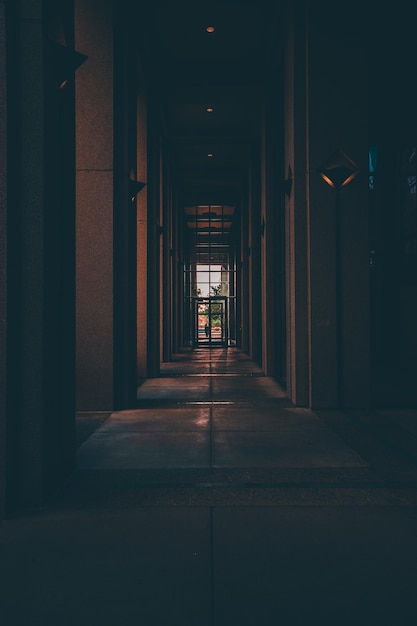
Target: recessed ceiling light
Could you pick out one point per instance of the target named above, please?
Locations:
(210, 29)
(209, 109)
(210, 154)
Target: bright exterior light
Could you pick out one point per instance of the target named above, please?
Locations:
(210, 29)
(209, 109)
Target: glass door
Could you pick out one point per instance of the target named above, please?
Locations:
(210, 321)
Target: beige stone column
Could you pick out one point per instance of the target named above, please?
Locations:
(295, 115)
(243, 272)
(94, 225)
(154, 244)
(255, 257)
(266, 241)
(166, 274)
(273, 303)
(142, 234)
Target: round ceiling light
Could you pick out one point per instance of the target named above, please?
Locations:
(210, 29)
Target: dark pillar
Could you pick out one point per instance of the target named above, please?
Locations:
(3, 257)
(40, 349)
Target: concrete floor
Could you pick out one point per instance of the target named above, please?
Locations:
(215, 502)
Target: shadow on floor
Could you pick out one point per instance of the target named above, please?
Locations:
(215, 502)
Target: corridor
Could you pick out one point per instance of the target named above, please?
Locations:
(208, 411)
(213, 409)
(215, 502)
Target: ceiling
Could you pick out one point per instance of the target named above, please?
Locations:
(192, 70)
(189, 70)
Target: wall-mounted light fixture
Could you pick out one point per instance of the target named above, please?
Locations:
(338, 171)
(134, 187)
(63, 62)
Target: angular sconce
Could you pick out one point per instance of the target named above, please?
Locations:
(338, 170)
(134, 187)
(63, 62)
